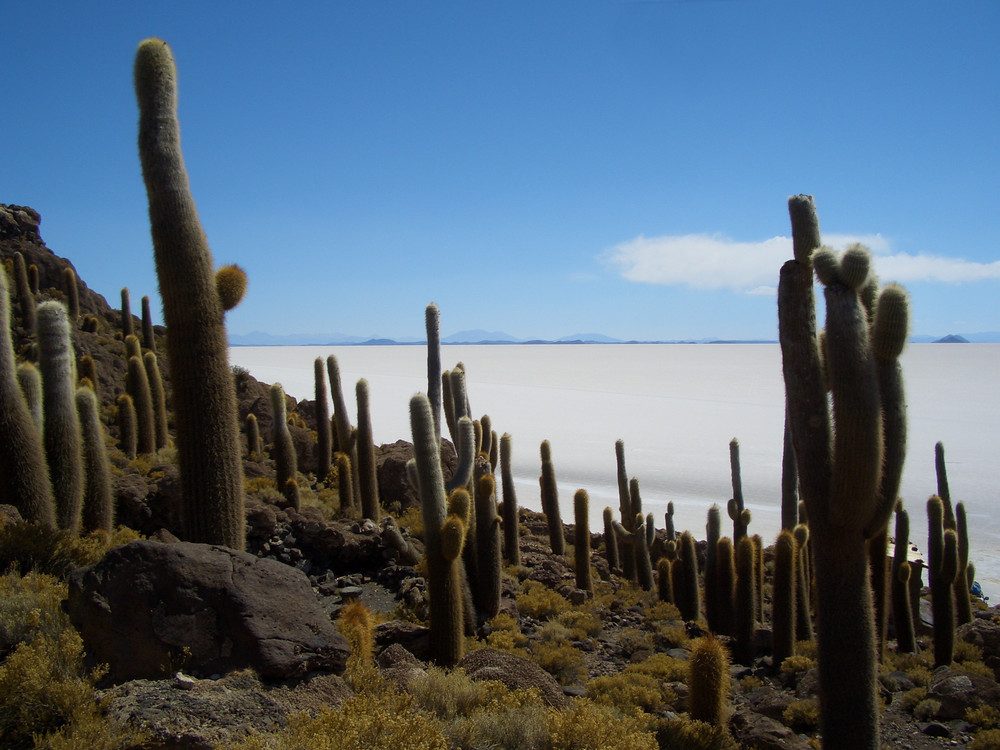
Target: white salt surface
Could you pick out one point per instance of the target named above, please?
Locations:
(677, 407)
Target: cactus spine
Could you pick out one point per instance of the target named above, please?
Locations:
(669, 521)
(324, 440)
(204, 399)
(87, 369)
(367, 477)
(550, 501)
(443, 538)
(24, 478)
(942, 568)
(664, 574)
(708, 681)
(158, 399)
(725, 586)
(713, 532)
(511, 528)
(148, 339)
(98, 503)
(137, 386)
(840, 470)
(62, 425)
(283, 452)
(345, 485)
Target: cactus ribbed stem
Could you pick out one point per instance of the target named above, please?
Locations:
(98, 502)
(324, 439)
(367, 476)
(511, 529)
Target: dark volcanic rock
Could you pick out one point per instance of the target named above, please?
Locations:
(148, 608)
(514, 671)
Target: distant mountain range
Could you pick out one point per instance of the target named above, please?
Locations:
(478, 336)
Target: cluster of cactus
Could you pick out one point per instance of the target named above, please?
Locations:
(849, 468)
(736, 508)
(204, 399)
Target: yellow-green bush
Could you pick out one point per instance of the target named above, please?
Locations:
(988, 739)
(662, 667)
(511, 720)
(586, 725)
(384, 719)
(633, 639)
(984, 716)
(797, 663)
(581, 623)
(28, 546)
(539, 601)
(802, 716)
(688, 734)
(448, 693)
(912, 698)
(630, 690)
(30, 607)
(559, 659)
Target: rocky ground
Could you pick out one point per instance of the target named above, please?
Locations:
(197, 675)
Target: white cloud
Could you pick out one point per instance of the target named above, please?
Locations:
(704, 261)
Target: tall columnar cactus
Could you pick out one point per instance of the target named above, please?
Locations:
(324, 440)
(625, 508)
(713, 532)
(128, 428)
(511, 528)
(283, 452)
(137, 386)
(725, 586)
(943, 491)
(783, 599)
(669, 521)
(488, 550)
(132, 347)
(24, 476)
(158, 397)
(148, 339)
(745, 620)
(738, 513)
(98, 501)
(444, 535)
(687, 596)
(345, 484)
(963, 602)
(26, 300)
(30, 381)
(708, 681)
(432, 324)
(128, 328)
(342, 421)
(204, 400)
(252, 430)
(840, 470)
(758, 570)
(789, 481)
(72, 293)
(62, 425)
(664, 574)
(367, 476)
(33, 278)
(550, 501)
(610, 539)
(902, 614)
(86, 368)
(942, 569)
(803, 616)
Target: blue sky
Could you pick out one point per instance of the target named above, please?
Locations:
(543, 169)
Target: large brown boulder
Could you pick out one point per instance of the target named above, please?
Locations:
(514, 671)
(149, 608)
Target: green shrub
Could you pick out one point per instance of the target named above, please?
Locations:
(586, 725)
(448, 693)
(384, 719)
(539, 601)
(28, 546)
(662, 667)
(581, 623)
(559, 659)
(629, 690)
(688, 734)
(30, 607)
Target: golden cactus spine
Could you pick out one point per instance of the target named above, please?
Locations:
(367, 476)
(581, 540)
(137, 386)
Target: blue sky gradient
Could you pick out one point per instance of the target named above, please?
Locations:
(543, 169)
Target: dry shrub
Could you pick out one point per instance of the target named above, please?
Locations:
(988, 739)
(581, 624)
(448, 694)
(689, 734)
(539, 601)
(630, 690)
(559, 659)
(802, 716)
(586, 725)
(984, 716)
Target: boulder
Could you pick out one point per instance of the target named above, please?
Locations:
(148, 608)
(957, 691)
(514, 671)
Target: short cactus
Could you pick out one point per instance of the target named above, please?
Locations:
(610, 539)
(783, 601)
(283, 450)
(252, 430)
(708, 681)
(899, 582)
(687, 596)
(669, 521)
(128, 327)
(137, 386)
(365, 445)
(488, 552)
(550, 501)
(736, 507)
(625, 508)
